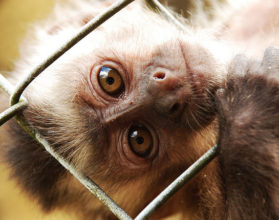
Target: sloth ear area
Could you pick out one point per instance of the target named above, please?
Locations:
(79, 22)
(76, 19)
(99, 7)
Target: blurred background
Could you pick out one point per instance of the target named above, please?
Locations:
(16, 16)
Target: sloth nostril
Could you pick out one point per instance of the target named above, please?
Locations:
(159, 75)
(174, 108)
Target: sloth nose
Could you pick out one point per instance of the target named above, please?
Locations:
(168, 106)
(165, 82)
(166, 92)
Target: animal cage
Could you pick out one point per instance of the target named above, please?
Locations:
(18, 103)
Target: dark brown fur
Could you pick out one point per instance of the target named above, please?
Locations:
(248, 108)
(89, 127)
(36, 169)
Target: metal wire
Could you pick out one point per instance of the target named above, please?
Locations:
(81, 177)
(13, 110)
(157, 5)
(19, 103)
(85, 180)
(90, 26)
(178, 183)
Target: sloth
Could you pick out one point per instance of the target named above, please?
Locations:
(138, 100)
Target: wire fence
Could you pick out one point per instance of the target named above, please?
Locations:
(19, 103)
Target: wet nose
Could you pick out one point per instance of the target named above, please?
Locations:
(165, 89)
(162, 81)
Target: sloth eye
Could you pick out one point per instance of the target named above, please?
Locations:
(110, 80)
(140, 140)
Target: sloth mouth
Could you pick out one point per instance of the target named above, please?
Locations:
(196, 79)
(198, 83)
(199, 109)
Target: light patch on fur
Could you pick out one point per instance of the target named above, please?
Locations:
(208, 45)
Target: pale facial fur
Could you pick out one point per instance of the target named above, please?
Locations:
(89, 127)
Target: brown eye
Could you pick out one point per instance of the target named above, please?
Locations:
(140, 140)
(110, 80)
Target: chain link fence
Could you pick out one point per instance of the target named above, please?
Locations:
(18, 103)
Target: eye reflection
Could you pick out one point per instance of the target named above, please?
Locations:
(140, 140)
(110, 80)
